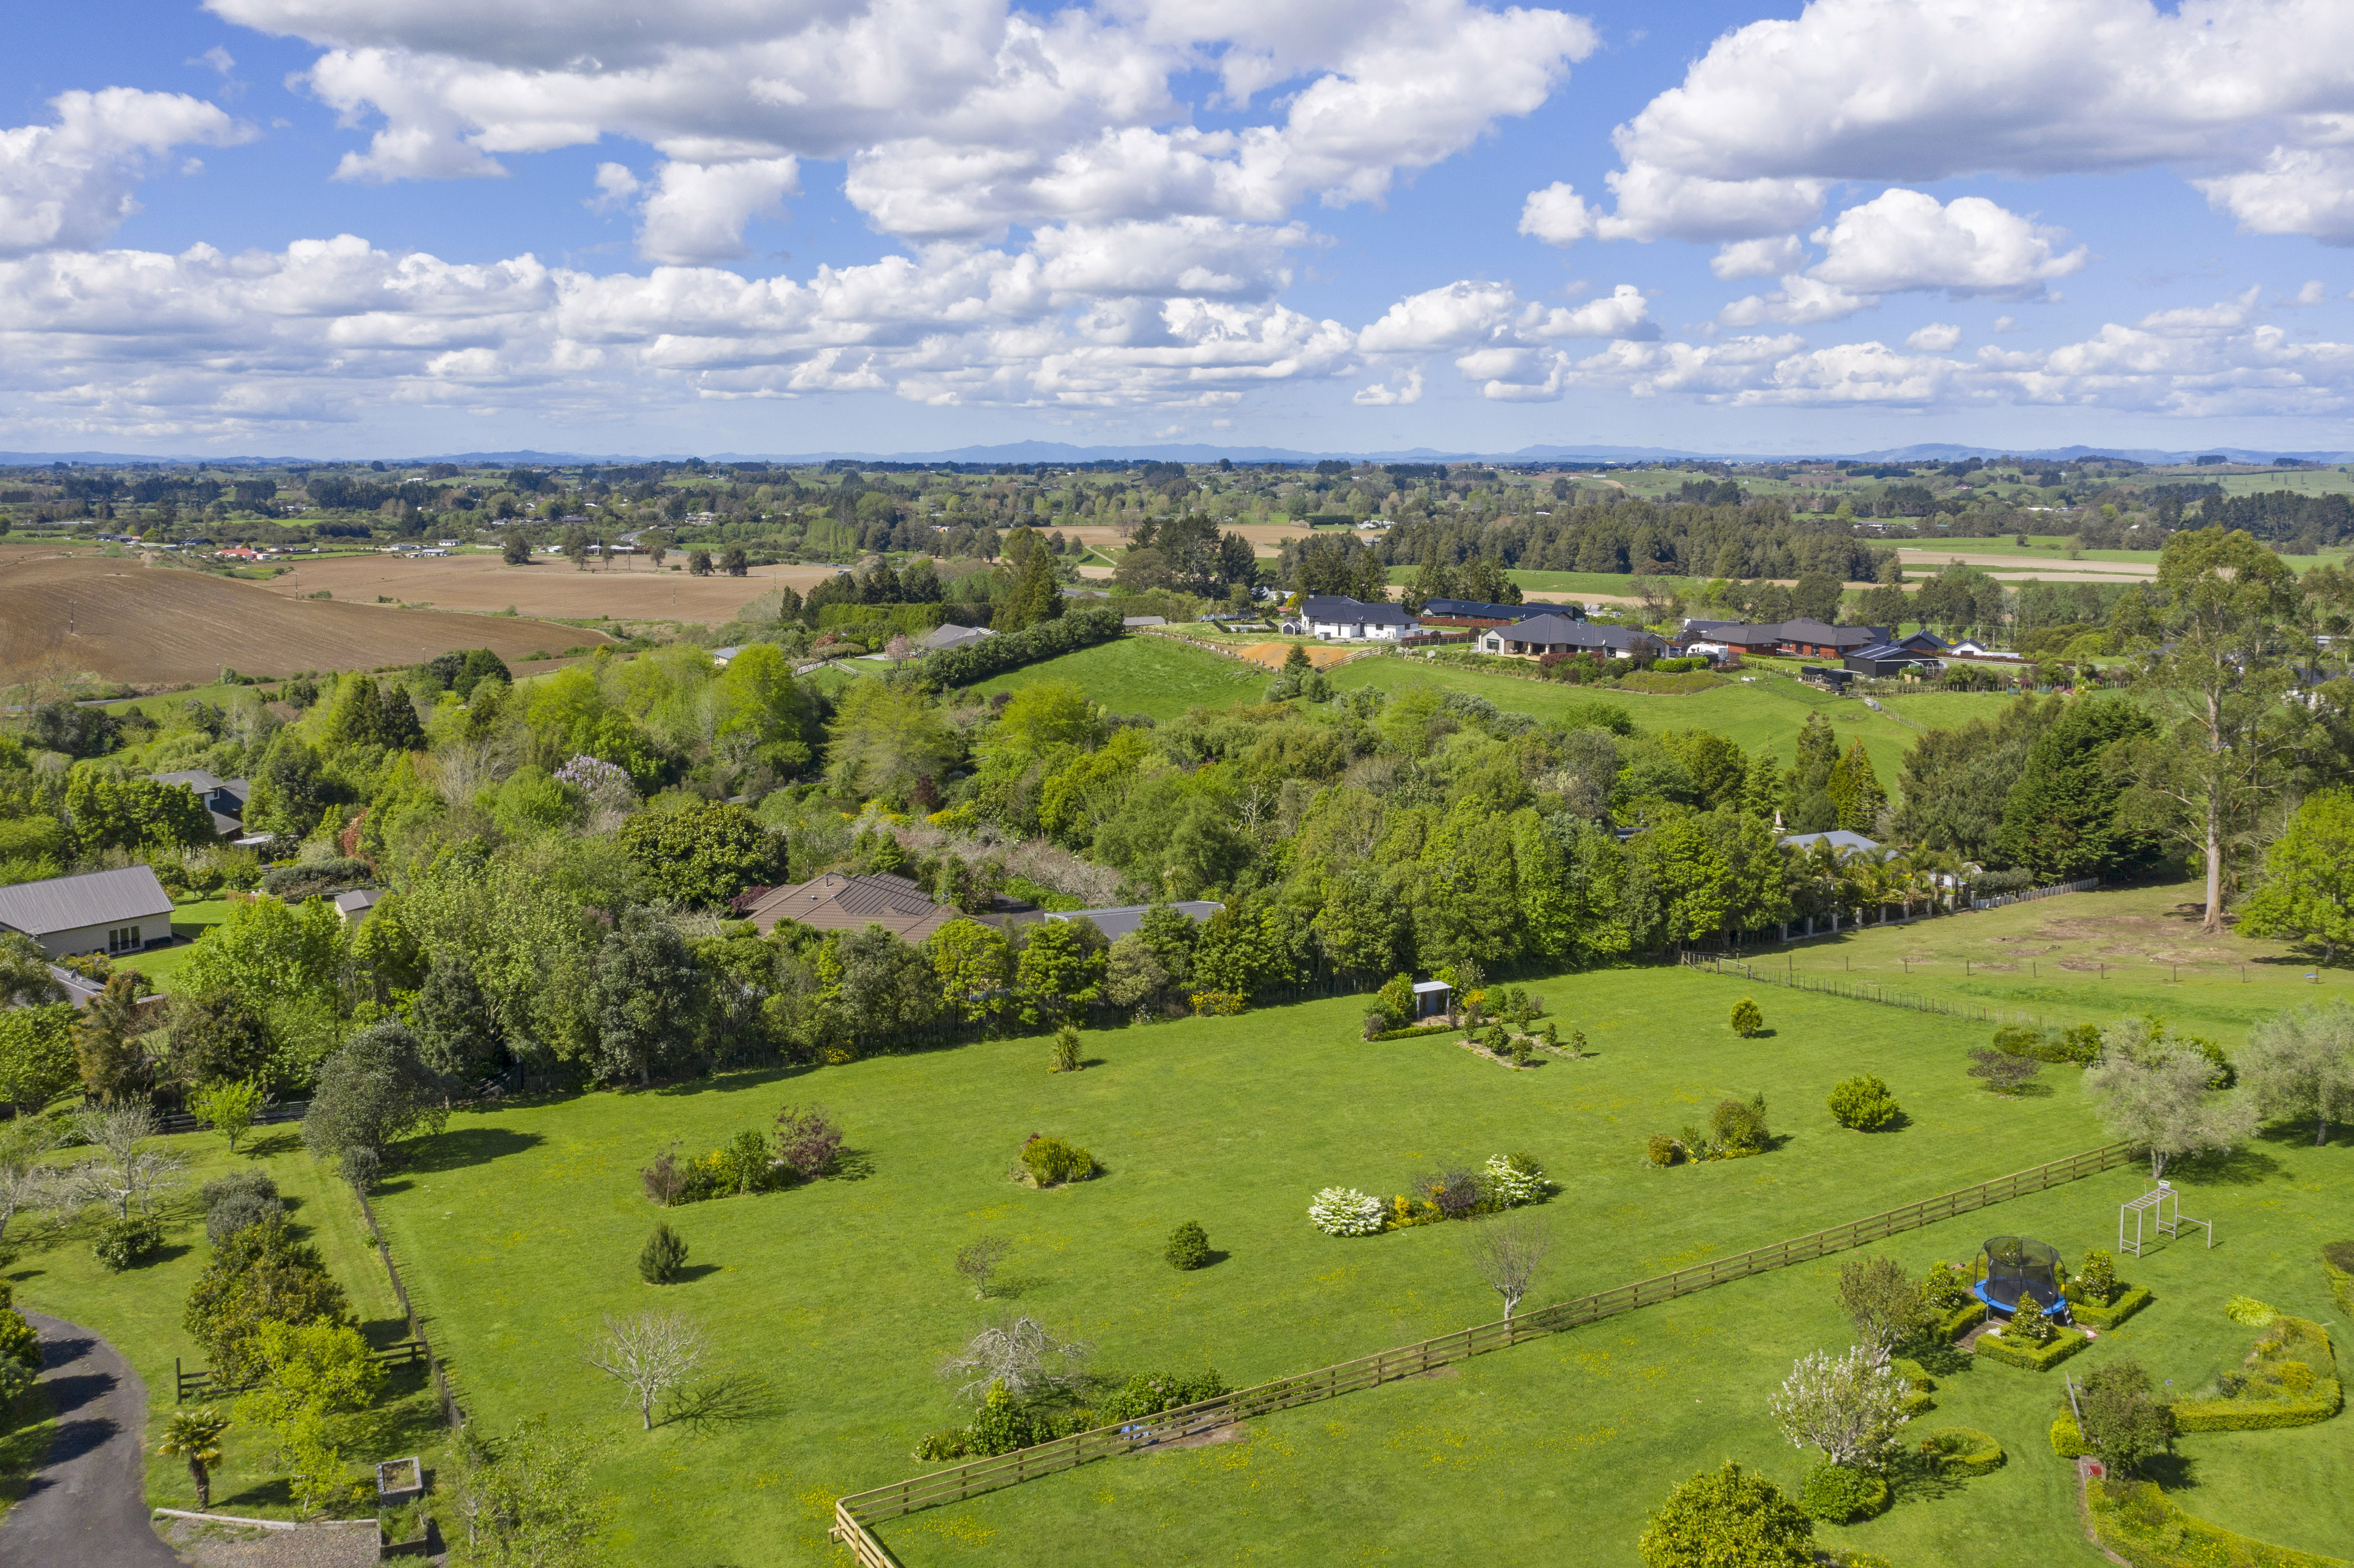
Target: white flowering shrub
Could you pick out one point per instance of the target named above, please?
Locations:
(1515, 1179)
(1345, 1212)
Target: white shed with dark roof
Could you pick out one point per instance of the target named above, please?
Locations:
(97, 912)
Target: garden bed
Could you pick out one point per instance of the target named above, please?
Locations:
(2293, 1383)
(2094, 1315)
(2064, 1342)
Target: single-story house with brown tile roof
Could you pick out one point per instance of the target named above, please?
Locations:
(838, 901)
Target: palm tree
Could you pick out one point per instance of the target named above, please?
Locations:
(195, 1436)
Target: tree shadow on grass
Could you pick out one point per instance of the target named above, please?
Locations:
(728, 1400)
(1013, 1286)
(1915, 1478)
(462, 1147)
(850, 1165)
(284, 1137)
(693, 1271)
(2230, 1167)
(278, 1494)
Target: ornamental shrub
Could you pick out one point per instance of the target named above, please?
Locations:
(1663, 1149)
(2030, 1325)
(1864, 1103)
(1730, 1518)
(123, 1243)
(1051, 1162)
(20, 1344)
(1395, 999)
(2247, 1310)
(1962, 1451)
(1456, 1194)
(1066, 1051)
(1378, 1023)
(947, 1443)
(237, 1210)
(1739, 1125)
(1947, 1288)
(1150, 1393)
(1345, 1212)
(359, 1167)
(1217, 1004)
(1838, 1495)
(1189, 1247)
(2097, 1281)
(664, 1253)
(1515, 1179)
(1747, 1018)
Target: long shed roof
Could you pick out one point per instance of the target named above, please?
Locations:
(92, 898)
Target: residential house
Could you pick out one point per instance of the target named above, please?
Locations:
(1891, 658)
(953, 636)
(1924, 641)
(224, 798)
(1124, 920)
(1553, 634)
(1800, 639)
(123, 911)
(1336, 618)
(1144, 621)
(842, 902)
(1842, 843)
(1479, 612)
(358, 903)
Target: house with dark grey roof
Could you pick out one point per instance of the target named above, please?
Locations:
(1479, 612)
(1124, 920)
(838, 901)
(97, 912)
(1339, 619)
(1890, 659)
(1800, 639)
(1545, 635)
(950, 635)
(224, 798)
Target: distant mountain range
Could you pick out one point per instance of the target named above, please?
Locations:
(1153, 451)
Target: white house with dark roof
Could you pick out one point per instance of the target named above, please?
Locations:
(97, 912)
(1337, 618)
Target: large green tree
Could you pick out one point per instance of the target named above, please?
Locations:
(2306, 892)
(649, 1000)
(704, 855)
(2063, 819)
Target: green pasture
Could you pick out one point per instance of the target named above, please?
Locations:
(1556, 1450)
(1155, 675)
(139, 1311)
(831, 1304)
(2080, 958)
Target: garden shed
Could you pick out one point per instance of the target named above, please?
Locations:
(1432, 998)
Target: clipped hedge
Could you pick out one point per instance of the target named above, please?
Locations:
(2062, 1344)
(2314, 1361)
(2145, 1527)
(1962, 1319)
(1074, 629)
(2093, 1315)
(2341, 1283)
(2068, 1438)
(1917, 1382)
(1963, 1450)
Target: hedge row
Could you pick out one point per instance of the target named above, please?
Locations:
(1975, 1453)
(2260, 1415)
(2341, 1286)
(1072, 630)
(2068, 1438)
(2094, 1315)
(1962, 1319)
(1421, 1029)
(2064, 1343)
(2144, 1525)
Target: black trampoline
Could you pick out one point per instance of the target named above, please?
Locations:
(2013, 1267)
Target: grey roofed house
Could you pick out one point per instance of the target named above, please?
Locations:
(1552, 634)
(950, 635)
(1480, 610)
(1125, 919)
(1351, 617)
(1842, 843)
(224, 798)
(96, 912)
(358, 903)
(1144, 621)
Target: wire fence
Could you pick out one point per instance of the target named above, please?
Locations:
(854, 1513)
(450, 1412)
(1863, 990)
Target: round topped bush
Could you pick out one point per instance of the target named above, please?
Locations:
(1864, 1103)
(1963, 1450)
(1840, 1495)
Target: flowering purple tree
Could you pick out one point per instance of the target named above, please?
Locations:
(607, 787)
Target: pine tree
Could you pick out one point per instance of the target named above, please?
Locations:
(1855, 791)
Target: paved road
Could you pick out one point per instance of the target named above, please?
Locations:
(87, 1505)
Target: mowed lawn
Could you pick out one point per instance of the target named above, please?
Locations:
(139, 1311)
(1557, 1449)
(831, 1304)
(1154, 675)
(2079, 958)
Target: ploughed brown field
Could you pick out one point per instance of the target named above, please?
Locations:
(150, 625)
(632, 589)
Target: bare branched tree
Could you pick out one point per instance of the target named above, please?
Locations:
(1019, 1354)
(125, 1173)
(980, 1260)
(117, 1130)
(1508, 1251)
(651, 1353)
(24, 1187)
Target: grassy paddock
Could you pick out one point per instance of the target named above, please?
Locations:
(1155, 675)
(831, 1304)
(138, 1312)
(2078, 958)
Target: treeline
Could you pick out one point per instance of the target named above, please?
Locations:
(1759, 539)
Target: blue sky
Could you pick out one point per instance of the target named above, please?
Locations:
(344, 227)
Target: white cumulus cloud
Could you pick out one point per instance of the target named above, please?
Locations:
(71, 183)
(1937, 337)
(1906, 239)
(696, 212)
(1767, 257)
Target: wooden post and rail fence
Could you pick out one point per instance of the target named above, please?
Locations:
(854, 1513)
(1859, 991)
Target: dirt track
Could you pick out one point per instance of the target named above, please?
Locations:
(158, 624)
(2051, 569)
(630, 589)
